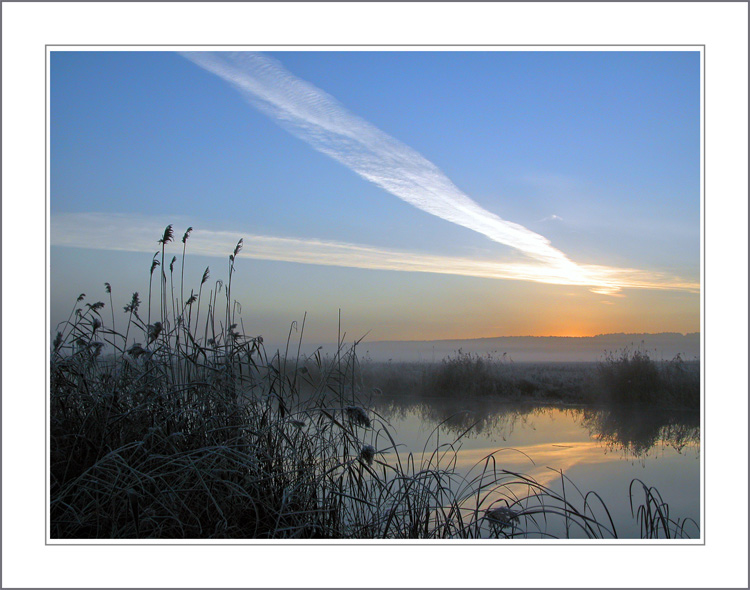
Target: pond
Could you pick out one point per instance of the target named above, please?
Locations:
(594, 449)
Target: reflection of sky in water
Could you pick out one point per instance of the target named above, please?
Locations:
(545, 438)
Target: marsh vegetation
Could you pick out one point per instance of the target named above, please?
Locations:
(179, 425)
(627, 377)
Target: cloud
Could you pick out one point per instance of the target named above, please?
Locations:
(321, 121)
(551, 218)
(137, 233)
(325, 124)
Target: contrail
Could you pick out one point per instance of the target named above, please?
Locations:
(137, 233)
(319, 119)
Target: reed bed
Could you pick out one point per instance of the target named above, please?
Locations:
(628, 377)
(633, 376)
(180, 426)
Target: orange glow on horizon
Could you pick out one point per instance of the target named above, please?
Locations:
(551, 334)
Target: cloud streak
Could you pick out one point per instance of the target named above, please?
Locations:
(328, 127)
(320, 120)
(135, 233)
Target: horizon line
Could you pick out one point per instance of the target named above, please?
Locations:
(683, 334)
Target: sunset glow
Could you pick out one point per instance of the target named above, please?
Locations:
(353, 196)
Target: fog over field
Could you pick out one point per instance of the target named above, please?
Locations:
(534, 348)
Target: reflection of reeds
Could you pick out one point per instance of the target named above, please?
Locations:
(187, 428)
(625, 428)
(636, 431)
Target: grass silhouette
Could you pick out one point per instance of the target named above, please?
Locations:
(181, 426)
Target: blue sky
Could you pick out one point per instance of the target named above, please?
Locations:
(556, 193)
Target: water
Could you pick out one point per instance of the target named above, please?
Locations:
(603, 451)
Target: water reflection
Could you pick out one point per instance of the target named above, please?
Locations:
(563, 449)
(632, 431)
(636, 431)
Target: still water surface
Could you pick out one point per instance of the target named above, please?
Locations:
(597, 450)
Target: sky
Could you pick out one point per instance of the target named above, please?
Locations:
(426, 194)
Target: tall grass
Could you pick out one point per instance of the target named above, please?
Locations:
(470, 374)
(653, 515)
(474, 375)
(628, 377)
(631, 376)
(181, 426)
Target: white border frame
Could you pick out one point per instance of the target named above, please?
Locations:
(721, 27)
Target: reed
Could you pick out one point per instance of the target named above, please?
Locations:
(181, 426)
(631, 376)
(628, 377)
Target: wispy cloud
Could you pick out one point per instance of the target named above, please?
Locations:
(320, 120)
(139, 234)
(325, 124)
